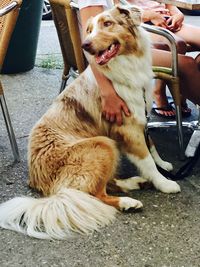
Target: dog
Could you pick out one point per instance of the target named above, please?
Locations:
(73, 153)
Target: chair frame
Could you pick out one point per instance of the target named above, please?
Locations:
(10, 14)
(65, 20)
(170, 75)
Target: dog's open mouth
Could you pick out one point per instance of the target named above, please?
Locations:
(104, 56)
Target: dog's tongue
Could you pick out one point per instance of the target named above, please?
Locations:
(107, 54)
(103, 58)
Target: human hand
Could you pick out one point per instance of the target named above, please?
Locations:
(174, 23)
(157, 19)
(113, 108)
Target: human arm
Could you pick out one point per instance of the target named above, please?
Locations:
(112, 104)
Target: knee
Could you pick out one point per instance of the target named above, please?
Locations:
(187, 65)
(181, 46)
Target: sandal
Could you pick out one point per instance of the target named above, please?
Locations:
(185, 110)
(155, 111)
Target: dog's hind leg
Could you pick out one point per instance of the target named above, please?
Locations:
(99, 162)
(121, 203)
(93, 163)
(132, 183)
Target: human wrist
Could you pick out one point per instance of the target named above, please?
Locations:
(147, 15)
(180, 16)
(107, 93)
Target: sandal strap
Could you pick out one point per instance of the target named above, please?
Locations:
(185, 105)
(166, 108)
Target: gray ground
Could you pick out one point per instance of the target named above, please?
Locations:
(164, 233)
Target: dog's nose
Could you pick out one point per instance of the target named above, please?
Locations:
(87, 45)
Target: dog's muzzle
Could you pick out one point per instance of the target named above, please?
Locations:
(87, 46)
(103, 56)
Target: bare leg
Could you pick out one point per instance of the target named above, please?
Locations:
(160, 99)
(197, 60)
(190, 34)
(163, 44)
(160, 87)
(188, 72)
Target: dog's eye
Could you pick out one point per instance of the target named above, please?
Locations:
(107, 23)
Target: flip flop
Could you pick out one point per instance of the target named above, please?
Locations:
(155, 111)
(185, 110)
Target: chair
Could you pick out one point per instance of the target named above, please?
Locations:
(66, 24)
(64, 15)
(8, 16)
(170, 76)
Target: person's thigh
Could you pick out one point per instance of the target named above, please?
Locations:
(190, 33)
(161, 42)
(164, 59)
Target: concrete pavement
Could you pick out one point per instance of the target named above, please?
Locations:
(164, 233)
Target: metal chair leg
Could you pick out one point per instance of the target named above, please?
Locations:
(9, 127)
(180, 131)
(72, 73)
(63, 84)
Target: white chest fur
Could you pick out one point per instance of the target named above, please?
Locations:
(132, 79)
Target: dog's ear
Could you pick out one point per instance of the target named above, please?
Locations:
(130, 15)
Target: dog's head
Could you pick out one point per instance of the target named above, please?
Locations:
(112, 33)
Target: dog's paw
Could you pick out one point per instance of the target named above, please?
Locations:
(168, 186)
(132, 183)
(126, 203)
(166, 166)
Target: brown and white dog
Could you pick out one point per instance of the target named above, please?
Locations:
(73, 152)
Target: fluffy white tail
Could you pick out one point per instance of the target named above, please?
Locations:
(56, 216)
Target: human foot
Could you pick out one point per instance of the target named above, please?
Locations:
(165, 111)
(161, 105)
(185, 110)
(164, 107)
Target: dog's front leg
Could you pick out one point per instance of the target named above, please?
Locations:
(132, 142)
(161, 163)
